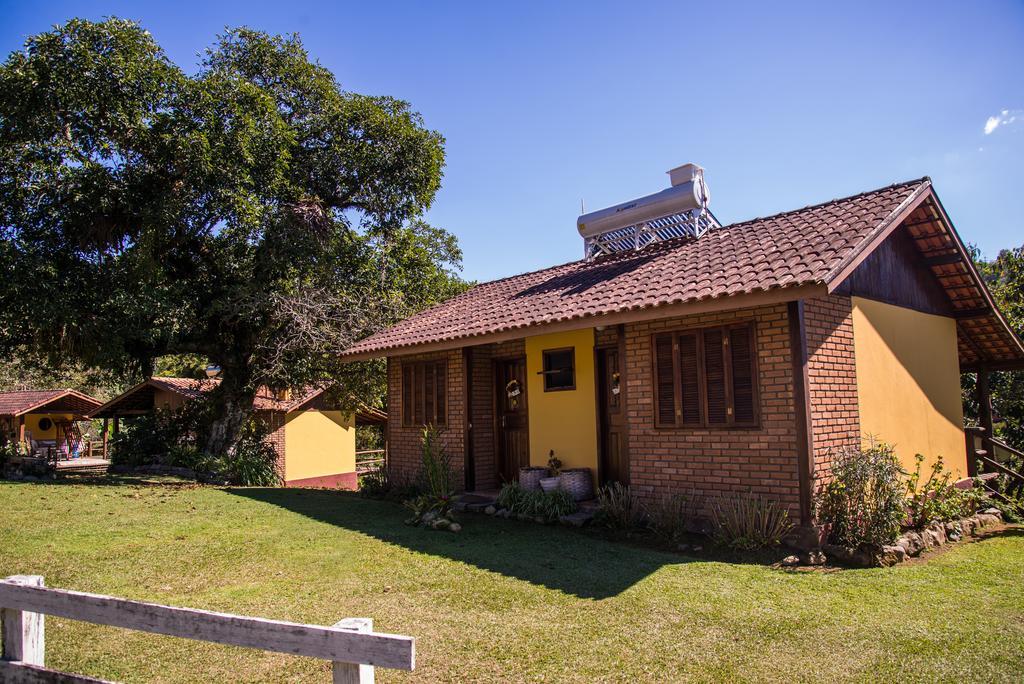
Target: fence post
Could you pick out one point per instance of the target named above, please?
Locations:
(24, 632)
(353, 673)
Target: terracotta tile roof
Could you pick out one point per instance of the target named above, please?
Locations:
(802, 247)
(63, 401)
(191, 388)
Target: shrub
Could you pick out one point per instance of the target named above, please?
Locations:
(674, 514)
(936, 499)
(375, 483)
(618, 508)
(547, 505)
(8, 452)
(436, 464)
(253, 461)
(749, 522)
(510, 495)
(865, 501)
(434, 506)
(554, 504)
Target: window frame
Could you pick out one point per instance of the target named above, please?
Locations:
(702, 387)
(547, 373)
(415, 401)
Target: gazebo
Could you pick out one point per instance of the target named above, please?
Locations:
(46, 424)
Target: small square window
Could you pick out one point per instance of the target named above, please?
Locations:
(559, 369)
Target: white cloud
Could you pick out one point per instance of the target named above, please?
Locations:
(1003, 118)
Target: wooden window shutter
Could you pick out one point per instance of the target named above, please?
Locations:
(429, 393)
(440, 386)
(689, 379)
(407, 394)
(418, 403)
(744, 397)
(714, 376)
(665, 381)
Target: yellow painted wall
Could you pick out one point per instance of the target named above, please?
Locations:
(32, 424)
(908, 382)
(565, 421)
(318, 443)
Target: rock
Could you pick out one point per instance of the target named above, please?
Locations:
(459, 507)
(891, 555)
(791, 561)
(986, 520)
(429, 517)
(455, 527)
(934, 536)
(967, 526)
(490, 510)
(952, 528)
(441, 524)
(848, 555)
(577, 519)
(911, 542)
(992, 510)
(505, 513)
(815, 557)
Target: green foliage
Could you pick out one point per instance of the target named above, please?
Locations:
(554, 464)
(536, 503)
(618, 508)
(249, 212)
(9, 451)
(864, 502)
(435, 503)
(252, 462)
(935, 498)
(749, 522)
(436, 465)
(510, 495)
(149, 438)
(674, 514)
(375, 483)
(1004, 277)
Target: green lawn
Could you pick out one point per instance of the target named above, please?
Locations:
(502, 601)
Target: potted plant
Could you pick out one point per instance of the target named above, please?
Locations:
(550, 484)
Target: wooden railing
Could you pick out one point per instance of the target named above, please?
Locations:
(371, 459)
(985, 451)
(352, 645)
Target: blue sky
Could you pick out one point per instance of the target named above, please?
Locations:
(545, 104)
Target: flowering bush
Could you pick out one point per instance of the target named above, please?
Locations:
(865, 501)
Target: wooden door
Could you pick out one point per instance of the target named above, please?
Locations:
(614, 463)
(512, 427)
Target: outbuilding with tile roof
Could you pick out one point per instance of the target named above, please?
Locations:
(315, 439)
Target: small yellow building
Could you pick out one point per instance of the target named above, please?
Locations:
(315, 441)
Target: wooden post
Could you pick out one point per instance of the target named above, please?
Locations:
(21, 429)
(352, 673)
(984, 417)
(117, 425)
(106, 425)
(24, 632)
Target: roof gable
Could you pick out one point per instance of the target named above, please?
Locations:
(19, 402)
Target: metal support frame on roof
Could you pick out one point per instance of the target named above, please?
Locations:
(693, 223)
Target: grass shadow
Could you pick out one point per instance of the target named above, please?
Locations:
(554, 557)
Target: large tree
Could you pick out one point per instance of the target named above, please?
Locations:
(253, 213)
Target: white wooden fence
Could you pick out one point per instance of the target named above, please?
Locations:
(352, 645)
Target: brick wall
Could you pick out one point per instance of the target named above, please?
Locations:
(832, 379)
(404, 443)
(274, 421)
(762, 460)
(485, 454)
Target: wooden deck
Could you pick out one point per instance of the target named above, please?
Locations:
(91, 465)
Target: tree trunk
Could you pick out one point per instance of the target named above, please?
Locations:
(231, 406)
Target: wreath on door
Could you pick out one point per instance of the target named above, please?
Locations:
(512, 389)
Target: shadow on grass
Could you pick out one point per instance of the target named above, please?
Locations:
(554, 557)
